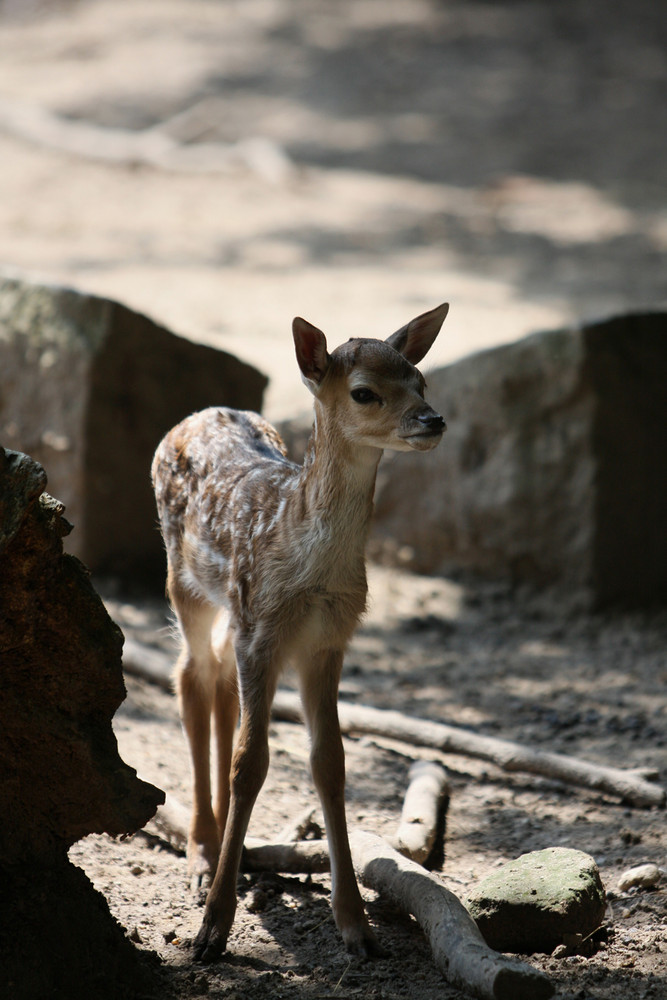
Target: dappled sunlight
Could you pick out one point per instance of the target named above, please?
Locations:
(508, 158)
(566, 213)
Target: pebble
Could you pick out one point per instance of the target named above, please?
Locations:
(644, 876)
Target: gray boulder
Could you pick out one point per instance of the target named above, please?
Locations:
(552, 471)
(88, 388)
(534, 903)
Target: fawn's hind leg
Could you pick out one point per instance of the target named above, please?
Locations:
(250, 762)
(225, 717)
(195, 685)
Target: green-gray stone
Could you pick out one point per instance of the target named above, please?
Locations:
(529, 904)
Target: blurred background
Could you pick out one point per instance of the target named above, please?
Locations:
(223, 166)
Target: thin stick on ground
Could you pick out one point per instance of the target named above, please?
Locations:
(631, 786)
(302, 828)
(307, 857)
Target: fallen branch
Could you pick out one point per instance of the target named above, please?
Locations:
(305, 857)
(422, 816)
(170, 823)
(631, 786)
(422, 823)
(172, 820)
(459, 949)
(148, 663)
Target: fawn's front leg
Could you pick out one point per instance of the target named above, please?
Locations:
(250, 763)
(319, 694)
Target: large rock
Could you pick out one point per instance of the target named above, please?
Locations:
(60, 773)
(535, 903)
(88, 388)
(553, 468)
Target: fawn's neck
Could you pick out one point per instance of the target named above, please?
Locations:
(338, 476)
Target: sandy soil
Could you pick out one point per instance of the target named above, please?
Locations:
(584, 686)
(379, 157)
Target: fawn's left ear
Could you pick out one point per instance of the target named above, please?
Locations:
(415, 339)
(311, 352)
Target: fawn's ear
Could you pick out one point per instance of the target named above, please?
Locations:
(311, 352)
(415, 339)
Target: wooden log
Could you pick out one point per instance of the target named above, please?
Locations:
(307, 857)
(459, 950)
(171, 824)
(422, 814)
(630, 786)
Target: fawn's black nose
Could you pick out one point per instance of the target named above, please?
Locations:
(432, 422)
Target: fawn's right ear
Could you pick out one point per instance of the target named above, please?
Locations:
(415, 339)
(311, 352)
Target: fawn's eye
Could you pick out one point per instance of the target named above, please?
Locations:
(364, 395)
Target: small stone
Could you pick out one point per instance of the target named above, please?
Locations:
(643, 876)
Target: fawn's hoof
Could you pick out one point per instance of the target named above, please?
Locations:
(209, 944)
(362, 942)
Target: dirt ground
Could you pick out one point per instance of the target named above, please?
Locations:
(358, 162)
(586, 686)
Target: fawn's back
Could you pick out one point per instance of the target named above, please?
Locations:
(240, 535)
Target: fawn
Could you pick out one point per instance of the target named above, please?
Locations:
(266, 567)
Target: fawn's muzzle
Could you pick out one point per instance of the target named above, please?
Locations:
(433, 423)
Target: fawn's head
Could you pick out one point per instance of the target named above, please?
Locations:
(371, 387)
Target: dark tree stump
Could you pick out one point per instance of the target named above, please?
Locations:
(61, 777)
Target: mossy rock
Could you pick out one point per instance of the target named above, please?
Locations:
(530, 904)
